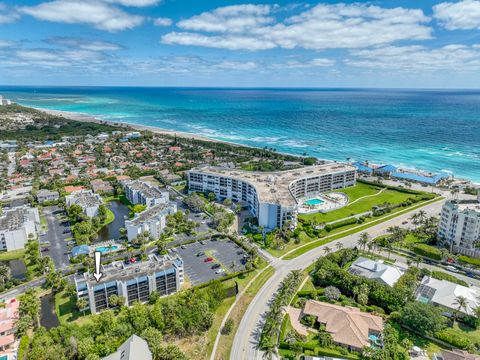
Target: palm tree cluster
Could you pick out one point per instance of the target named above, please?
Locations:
(273, 320)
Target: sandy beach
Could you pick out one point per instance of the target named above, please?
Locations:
(85, 117)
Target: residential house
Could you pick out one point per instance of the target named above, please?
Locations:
(348, 326)
(444, 293)
(47, 195)
(134, 348)
(455, 354)
(8, 319)
(376, 270)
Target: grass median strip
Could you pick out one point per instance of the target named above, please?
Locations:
(226, 340)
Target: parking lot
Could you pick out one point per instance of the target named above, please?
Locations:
(226, 253)
(53, 242)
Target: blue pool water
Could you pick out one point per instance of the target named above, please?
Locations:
(313, 202)
(105, 249)
(432, 130)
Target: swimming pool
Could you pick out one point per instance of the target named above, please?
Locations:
(4, 357)
(105, 249)
(312, 202)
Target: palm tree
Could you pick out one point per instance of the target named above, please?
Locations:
(460, 302)
(81, 305)
(422, 215)
(339, 246)
(418, 260)
(363, 240)
(327, 250)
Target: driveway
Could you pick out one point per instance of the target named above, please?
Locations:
(56, 237)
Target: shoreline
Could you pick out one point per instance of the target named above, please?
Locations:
(77, 116)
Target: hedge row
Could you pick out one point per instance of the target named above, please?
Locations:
(427, 251)
(342, 223)
(440, 275)
(456, 340)
(468, 260)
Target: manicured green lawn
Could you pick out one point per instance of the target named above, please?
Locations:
(66, 308)
(12, 255)
(347, 230)
(461, 330)
(361, 206)
(109, 219)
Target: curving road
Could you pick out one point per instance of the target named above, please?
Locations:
(248, 333)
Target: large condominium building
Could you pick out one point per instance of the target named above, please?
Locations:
(132, 281)
(87, 200)
(460, 226)
(141, 192)
(17, 225)
(272, 197)
(153, 220)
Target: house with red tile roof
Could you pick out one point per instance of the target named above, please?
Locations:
(8, 319)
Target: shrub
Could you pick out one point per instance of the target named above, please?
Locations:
(342, 223)
(228, 327)
(428, 251)
(23, 347)
(456, 340)
(468, 260)
(332, 293)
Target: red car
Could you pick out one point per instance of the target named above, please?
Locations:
(208, 259)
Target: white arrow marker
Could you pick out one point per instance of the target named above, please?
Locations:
(98, 261)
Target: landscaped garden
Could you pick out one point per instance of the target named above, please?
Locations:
(406, 321)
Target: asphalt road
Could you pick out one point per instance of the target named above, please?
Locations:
(249, 330)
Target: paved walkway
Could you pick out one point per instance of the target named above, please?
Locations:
(295, 315)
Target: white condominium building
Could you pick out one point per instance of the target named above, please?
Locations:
(132, 281)
(153, 220)
(16, 226)
(272, 197)
(143, 193)
(460, 226)
(87, 200)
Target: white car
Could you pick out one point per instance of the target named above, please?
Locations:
(452, 268)
(220, 271)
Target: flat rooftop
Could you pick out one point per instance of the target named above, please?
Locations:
(121, 271)
(13, 219)
(469, 205)
(149, 213)
(87, 199)
(272, 187)
(145, 188)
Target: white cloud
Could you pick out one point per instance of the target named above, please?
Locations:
(295, 64)
(92, 45)
(229, 19)
(162, 21)
(461, 15)
(100, 15)
(134, 3)
(5, 43)
(413, 58)
(6, 16)
(231, 42)
(321, 27)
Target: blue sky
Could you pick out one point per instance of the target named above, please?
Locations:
(391, 43)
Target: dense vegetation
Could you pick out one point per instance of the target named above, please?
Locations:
(46, 126)
(185, 314)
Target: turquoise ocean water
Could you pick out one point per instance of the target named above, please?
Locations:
(427, 130)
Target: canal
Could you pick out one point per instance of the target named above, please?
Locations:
(112, 230)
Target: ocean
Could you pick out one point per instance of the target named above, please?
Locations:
(419, 129)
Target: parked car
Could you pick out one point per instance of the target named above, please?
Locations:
(45, 249)
(202, 242)
(208, 259)
(183, 246)
(452, 268)
(220, 271)
(174, 249)
(201, 253)
(215, 266)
